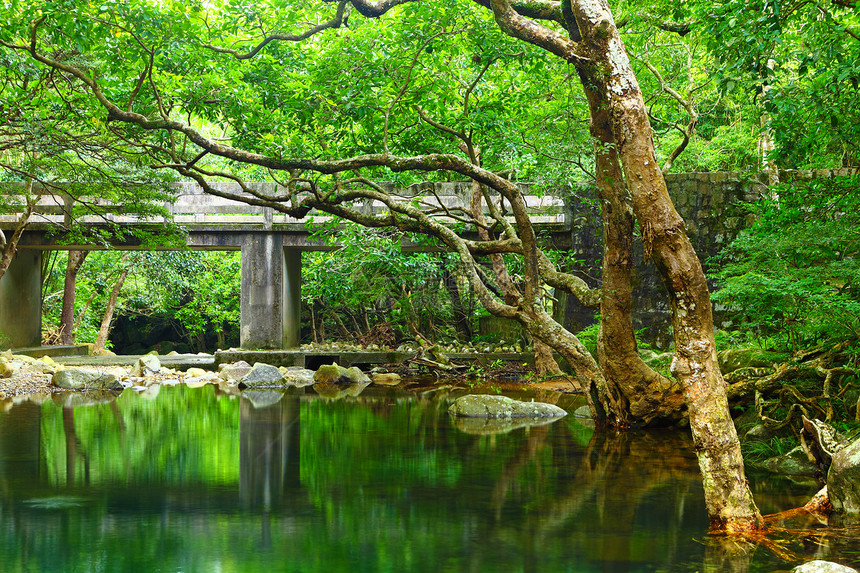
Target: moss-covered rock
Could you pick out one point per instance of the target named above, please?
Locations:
(735, 358)
(793, 463)
(336, 374)
(386, 379)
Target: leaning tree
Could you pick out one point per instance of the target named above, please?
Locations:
(232, 94)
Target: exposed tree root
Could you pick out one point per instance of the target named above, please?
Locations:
(780, 403)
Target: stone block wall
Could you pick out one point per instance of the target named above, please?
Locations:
(711, 205)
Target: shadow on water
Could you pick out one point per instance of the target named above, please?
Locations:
(197, 480)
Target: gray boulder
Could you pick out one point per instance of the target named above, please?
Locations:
(146, 365)
(822, 567)
(489, 426)
(85, 379)
(234, 372)
(486, 406)
(843, 480)
(262, 376)
(299, 377)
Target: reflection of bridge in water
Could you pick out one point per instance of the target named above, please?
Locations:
(271, 244)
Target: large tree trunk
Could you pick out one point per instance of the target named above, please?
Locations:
(650, 398)
(727, 495)
(462, 319)
(104, 330)
(67, 314)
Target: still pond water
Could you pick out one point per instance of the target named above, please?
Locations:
(182, 479)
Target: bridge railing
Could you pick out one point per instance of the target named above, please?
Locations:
(192, 206)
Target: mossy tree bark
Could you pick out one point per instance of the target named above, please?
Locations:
(729, 501)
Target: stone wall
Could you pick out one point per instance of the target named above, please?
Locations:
(711, 206)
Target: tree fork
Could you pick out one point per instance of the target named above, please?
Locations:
(727, 496)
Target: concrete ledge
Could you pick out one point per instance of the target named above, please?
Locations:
(312, 360)
(176, 361)
(54, 350)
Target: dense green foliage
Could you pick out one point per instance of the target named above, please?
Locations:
(369, 281)
(49, 138)
(801, 65)
(189, 298)
(793, 278)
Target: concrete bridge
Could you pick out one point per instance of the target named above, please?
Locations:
(271, 244)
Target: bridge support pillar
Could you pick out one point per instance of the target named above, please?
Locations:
(292, 297)
(271, 294)
(21, 301)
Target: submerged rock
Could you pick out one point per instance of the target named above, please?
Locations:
(149, 392)
(262, 376)
(198, 381)
(386, 379)
(332, 391)
(486, 426)
(262, 398)
(582, 412)
(85, 379)
(486, 406)
(83, 399)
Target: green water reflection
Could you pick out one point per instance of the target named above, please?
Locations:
(195, 480)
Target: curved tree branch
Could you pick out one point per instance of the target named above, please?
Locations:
(534, 9)
(335, 22)
(588, 296)
(515, 25)
(375, 9)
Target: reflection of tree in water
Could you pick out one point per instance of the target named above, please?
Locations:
(601, 499)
